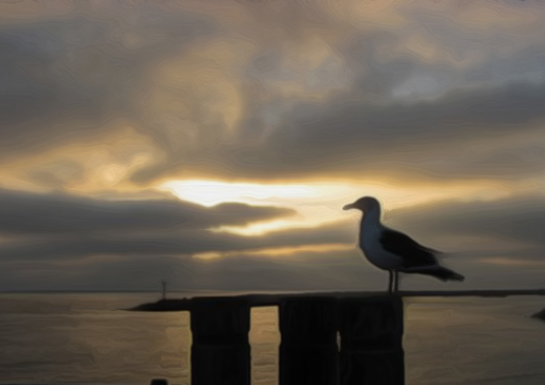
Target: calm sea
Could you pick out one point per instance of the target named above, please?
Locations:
(83, 338)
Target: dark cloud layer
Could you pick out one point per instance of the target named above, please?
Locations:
(519, 218)
(361, 137)
(151, 242)
(497, 222)
(63, 215)
(63, 79)
(77, 228)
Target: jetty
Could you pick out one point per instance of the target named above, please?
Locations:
(327, 338)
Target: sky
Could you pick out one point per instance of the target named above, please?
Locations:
(213, 144)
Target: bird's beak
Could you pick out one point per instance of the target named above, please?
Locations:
(348, 207)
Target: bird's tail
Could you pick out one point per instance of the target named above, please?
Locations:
(444, 274)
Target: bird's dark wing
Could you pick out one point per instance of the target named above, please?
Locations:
(413, 254)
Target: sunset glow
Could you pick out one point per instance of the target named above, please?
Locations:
(316, 203)
(211, 193)
(140, 139)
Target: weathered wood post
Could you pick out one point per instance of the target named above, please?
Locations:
(371, 341)
(308, 349)
(220, 354)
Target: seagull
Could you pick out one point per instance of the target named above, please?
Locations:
(394, 251)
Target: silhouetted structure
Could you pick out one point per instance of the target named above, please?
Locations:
(394, 251)
(308, 351)
(164, 292)
(370, 330)
(370, 326)
(221, 350)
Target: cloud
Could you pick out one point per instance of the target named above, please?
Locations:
(165, 236)
(518, 220)
(413, 102)
(403, 96)
(63, 215)
(327, 138)
(64, 78)
(505, 229)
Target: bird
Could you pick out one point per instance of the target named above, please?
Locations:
(394, 251)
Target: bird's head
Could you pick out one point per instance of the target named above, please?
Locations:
(363, 204)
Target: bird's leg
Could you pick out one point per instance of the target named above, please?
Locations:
(396, 281)
(390, 281)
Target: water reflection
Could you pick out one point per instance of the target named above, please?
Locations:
(81, 339)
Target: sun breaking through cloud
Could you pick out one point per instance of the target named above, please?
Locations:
(191, 139)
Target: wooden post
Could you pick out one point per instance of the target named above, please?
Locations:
(220, 354)
(308, 350)
(371, 332)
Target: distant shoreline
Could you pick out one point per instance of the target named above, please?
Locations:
(185, 304)
(240, 293)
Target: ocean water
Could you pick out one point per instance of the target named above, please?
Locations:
(84, 338)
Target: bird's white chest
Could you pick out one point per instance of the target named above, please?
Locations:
(373, 250)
